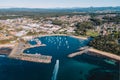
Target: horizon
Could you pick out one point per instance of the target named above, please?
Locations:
(57, 4)
(57, 7)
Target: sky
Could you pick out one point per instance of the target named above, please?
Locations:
(57, 3)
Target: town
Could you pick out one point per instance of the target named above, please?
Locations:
(13, 29)
(59, 40)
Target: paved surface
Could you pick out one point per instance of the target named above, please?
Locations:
(78, 53)
(17, 53)
(18, 49)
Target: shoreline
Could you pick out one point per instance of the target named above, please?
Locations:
(17, 53)
(35, 36)
(99, 52)
(79, 37)
(107, 54)
(95, 51)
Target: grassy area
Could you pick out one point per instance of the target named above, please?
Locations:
(92, 33)
(35, 33)
(4, 41)
(32, 33)
(7, 41)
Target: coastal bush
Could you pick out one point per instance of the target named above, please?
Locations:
(106, 43)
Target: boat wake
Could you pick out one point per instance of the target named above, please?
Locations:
(55, 71)
(2, 55)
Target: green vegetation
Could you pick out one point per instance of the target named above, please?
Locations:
(92, 33)
(36, 33)
(81, 28)
(9, 17)
(19, 29)
(109, 19)
(1, 28)
(4, 41)
(107, 43)
(96, 21)
(32, 33)
(57, 22)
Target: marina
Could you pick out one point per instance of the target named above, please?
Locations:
(17, 53)
(60, 40)
(54, 57)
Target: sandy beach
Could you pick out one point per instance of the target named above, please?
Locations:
(80, 37)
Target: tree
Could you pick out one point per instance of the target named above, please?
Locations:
(57, 22)
(81, 28)
(96, 21)
(106, 43)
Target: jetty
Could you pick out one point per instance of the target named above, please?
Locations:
(77, 53)
(17, 53)
(38, 43)
(95, 51)
(81, 51)
(107, 54)
(33, 58)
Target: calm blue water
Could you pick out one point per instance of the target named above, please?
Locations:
(83, 67)
(57, 46)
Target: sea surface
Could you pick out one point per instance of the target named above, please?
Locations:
(82, 67)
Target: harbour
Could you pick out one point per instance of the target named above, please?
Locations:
(17, 53)
(52, 60)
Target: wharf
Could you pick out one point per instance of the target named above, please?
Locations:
(83, 50)
(33, 58)
(17, 53)
(77, 53)
(95, 51)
